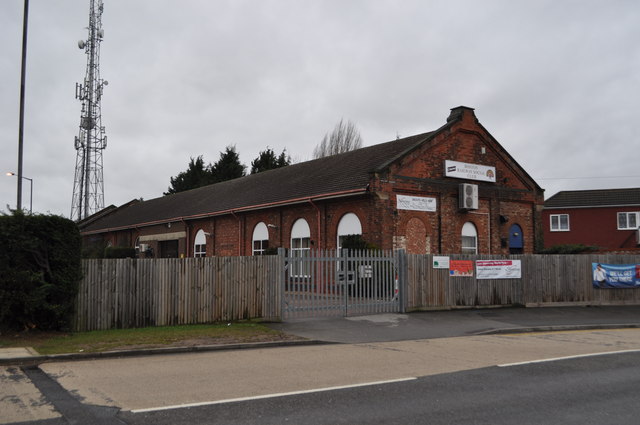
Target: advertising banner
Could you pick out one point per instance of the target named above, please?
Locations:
(615, 275)
(461, 268)
(498, 269)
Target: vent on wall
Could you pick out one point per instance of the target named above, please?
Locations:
(468, 196)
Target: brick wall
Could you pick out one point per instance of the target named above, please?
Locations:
(513, 199)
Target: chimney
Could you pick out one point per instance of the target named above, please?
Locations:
(462, 113)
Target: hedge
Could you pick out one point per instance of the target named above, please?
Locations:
(40, 270)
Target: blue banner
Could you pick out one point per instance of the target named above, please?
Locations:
(615, 275)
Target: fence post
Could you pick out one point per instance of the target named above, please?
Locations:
(401, 264)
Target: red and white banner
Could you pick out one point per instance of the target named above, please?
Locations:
(498, 269)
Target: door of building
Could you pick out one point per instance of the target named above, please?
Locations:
(516, 240)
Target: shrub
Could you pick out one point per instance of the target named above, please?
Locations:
(40, 270)
(356, 242)
(119, 252)
(569, 249)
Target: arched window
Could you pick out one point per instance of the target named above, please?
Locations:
(260, 239)
(469, 239)
(349, 225)
(300, 247)
(200, 244)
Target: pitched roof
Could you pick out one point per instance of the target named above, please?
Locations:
(339, 174)
(594, 198)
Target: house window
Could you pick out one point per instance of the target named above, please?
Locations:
(469, 239)
(260, 239)
(559, 222)
(349, 225)
(300, 248)
(200, 244)
(627, 220)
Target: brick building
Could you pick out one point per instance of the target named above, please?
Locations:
(605, 218)
(452, 190)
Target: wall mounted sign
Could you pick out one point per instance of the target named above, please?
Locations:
(416, 203)
(463, 170)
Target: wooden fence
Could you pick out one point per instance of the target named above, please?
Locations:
(546, 280)
(155, 292)
(128, 293)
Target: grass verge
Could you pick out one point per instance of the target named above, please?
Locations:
(123, 339)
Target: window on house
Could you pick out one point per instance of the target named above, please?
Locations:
(349, 225)
(628, 220)
(300, 248)
(469, 239)
(260, 239)
(200, 244)
(559, 222)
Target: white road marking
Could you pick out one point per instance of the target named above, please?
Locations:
(259, 397)
(567, 358)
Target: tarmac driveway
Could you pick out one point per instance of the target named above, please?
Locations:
(452, 323)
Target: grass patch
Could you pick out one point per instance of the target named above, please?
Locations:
(122, 339)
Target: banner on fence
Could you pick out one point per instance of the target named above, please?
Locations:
(498, 269)
(461, 268)
(615, 275)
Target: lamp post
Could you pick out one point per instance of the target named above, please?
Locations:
(30, 190)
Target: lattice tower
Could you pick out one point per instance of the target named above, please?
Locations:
(88, 185)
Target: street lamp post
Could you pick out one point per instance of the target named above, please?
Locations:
(30, 191)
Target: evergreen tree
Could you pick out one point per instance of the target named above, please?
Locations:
(228, 166)
(267, 160)
(196, 175)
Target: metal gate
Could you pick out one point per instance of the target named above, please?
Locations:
(349, 283)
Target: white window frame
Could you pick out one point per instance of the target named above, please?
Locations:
(260, 239)
(300, 248)
(200, 244)
(349, 225)
(558, 225)
(469, 234)
(627, 215)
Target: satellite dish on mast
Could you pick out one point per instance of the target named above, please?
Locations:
(81, 44)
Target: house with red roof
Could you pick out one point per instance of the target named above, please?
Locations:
(605, 218)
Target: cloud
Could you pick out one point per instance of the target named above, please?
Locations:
(555, 83)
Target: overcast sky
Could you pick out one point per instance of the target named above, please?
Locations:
(557, 83)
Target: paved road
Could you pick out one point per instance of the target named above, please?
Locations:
(151, 383)
(544, 393)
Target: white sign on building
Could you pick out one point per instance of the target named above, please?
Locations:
(463, 170)
(416, 203)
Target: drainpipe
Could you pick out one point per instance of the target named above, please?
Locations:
(239, 232)
(318, 220)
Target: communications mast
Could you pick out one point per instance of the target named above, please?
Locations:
(88, 185)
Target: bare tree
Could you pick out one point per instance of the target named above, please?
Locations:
(345, 137)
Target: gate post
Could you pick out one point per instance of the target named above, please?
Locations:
(280, 287)
(401, 264)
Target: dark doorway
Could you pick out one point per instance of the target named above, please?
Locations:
(169, 249)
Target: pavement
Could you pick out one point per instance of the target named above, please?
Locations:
(391, 327)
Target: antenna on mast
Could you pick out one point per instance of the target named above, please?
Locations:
(88, 184)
